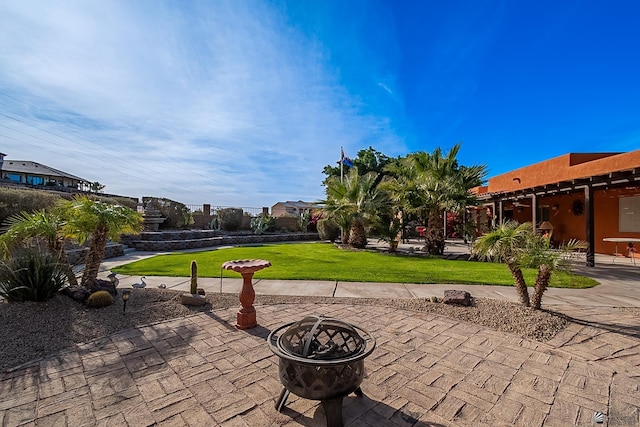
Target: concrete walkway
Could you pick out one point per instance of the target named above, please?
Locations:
(427, 370)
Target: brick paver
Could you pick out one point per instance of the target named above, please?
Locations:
(427, 370)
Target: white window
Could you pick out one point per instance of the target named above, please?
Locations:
(629, 214)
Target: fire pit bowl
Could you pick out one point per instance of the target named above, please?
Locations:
(321, 359)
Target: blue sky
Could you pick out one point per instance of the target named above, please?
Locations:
(242, 103)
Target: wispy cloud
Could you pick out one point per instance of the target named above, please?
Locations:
(220, 102)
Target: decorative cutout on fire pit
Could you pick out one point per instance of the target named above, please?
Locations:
(321, 338)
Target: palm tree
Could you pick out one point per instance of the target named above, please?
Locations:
(97, 222)
(40, 224)
(507, 243)
(435, 183)
(352, 203)
(540, 254)
(402, 190)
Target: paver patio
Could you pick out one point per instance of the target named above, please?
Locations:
(427, 370)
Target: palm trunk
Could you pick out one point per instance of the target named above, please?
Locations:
(542, 281)
(358, 235)
(434, 239)
(58, 249)
(521, 285)
(344, 238)
(97, 248)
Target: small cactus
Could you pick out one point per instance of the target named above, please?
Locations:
(100, 299)
(194, 277)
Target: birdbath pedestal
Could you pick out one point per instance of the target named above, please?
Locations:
(246, 267)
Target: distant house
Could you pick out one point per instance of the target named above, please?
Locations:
(289, 208)
(37, 174)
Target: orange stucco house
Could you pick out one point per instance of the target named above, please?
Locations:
(586, 196)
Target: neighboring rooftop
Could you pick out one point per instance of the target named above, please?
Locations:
(29, 167)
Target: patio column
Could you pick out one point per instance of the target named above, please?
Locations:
(494, 212)
(589, 233)
(534, 211)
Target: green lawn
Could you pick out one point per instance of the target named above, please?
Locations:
(324, 261)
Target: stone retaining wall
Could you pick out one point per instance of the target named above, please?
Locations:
(113, 250)
(192, 239)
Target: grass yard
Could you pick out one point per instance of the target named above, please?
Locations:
(324, 261)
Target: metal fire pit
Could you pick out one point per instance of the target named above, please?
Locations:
(321, 359)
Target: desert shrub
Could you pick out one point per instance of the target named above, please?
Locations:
(13, 201)
(230, 218)
(114, 200)
(328, 229)
(303, 221)
(100, 299)
(30, 274)
(262, 223)
(177, 214)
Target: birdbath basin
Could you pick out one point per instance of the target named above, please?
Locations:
(246, 317)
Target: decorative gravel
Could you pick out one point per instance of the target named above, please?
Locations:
(33, 330)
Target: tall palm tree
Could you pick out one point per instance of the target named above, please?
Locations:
(40, 224)
(507, 243)
(97, 222)
(437, 183)
(355, 200)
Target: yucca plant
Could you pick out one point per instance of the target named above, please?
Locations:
(30, 274)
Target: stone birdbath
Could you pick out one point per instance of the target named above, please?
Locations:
(246, 267)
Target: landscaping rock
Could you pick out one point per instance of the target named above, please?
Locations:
(200, 291)
(457, 297)
(193, 299)
(103, 285)
(78, 293)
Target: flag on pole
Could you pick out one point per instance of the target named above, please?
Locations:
(344, 159)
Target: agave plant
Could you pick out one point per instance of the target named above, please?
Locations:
(30, 274)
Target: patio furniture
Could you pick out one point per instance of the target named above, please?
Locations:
(630, 248)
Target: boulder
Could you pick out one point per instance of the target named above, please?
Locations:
(457, 297)
(103, 285)
(193, 299)
(78, 293)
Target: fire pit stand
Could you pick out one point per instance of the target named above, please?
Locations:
(321, 359)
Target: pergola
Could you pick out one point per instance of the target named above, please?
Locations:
(585, 186)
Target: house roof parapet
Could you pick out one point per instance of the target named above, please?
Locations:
(565, 173)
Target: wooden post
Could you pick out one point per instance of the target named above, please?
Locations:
(588, 212)
(534, 211)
